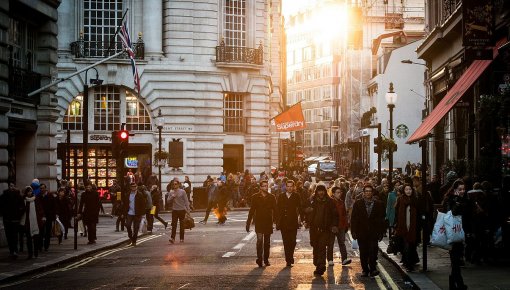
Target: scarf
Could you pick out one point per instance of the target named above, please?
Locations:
(369, 204)
(406, 218)
(32, 216)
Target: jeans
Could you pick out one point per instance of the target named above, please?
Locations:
(134, 221)
(340, 237)
(46, 236)
(319, 240)
(178, 214)
(289, 244)
(263, 246)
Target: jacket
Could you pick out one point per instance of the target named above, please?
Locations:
(324, 215)
(90, 204)
(364, 227)
(140, 202)
(262, 212)
(288, 211)
(343, 221)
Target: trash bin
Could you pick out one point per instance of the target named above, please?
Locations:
(200, 197)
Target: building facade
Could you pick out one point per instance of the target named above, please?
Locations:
(28, 61)
(467, 124)
(205, 71)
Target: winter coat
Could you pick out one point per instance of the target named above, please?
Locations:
(343, 220)
(288, 210)
(324, 215)
(90, 204)
(12, 205)
(262, 212)
(50, 205)
(409, 232)
(64, 210)
(364, 227)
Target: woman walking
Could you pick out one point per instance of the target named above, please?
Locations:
(406, 226)
(32, 221)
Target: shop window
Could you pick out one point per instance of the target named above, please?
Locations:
(73, 117)
(137, 118)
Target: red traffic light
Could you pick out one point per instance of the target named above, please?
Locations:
(123, 135)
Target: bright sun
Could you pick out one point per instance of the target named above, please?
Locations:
(330, 23)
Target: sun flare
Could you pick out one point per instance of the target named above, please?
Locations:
(330, 23)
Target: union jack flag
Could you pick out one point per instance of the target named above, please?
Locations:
(127, 45)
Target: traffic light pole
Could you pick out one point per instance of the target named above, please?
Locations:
(379, 137)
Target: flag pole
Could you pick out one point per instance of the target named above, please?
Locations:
(112, 39)
(75, 73)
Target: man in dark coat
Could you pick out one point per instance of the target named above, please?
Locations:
(49, 201)
(262, 212)
(134, 203)
(288, 211)
(90, 204)
(12, 207)
(323, 221)
(367, 226)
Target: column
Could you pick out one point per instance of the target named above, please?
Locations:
(153, 28)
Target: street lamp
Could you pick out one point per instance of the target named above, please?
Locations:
(391, 99)
(85, 148)
(408, 61)
(160, 121)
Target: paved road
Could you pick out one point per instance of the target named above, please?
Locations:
(212, 256)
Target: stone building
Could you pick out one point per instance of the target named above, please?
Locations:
(205, 69)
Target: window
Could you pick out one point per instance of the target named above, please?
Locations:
(73, 117)
(308, 139)
(100, 21)
(317, 115)
(325, 137)
(112, 106)
(137, 118)
(106, 108)
(308, 116)
(235, 23)
(317, 138)
(233, 120)
(326, 113)
(21, 39)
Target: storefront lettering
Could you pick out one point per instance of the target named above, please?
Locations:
(100, 138)
(179, 129)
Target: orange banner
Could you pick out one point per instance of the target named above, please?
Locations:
(290, 120)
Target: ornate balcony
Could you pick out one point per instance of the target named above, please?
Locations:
(22, 82)
(239, 55)
(97, 49)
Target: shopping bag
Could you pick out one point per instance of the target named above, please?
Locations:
(81, 227)
(188, 222)
(438, 238)
(355, 245)
(454, 231)
(143, 226)
(55, 230)
(61, 225)
(153, 210)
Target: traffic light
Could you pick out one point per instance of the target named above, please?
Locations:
(377, 145)
(123, 140)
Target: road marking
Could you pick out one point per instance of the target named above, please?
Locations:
(380, 283)
(239, 246)
(387, 277)
(184, 286)
(250, 236)
(228, 254)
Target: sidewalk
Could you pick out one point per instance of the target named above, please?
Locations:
(484, 276)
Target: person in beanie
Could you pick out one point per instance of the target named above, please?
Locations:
(323, 221)
(368, 226)
(262, 212)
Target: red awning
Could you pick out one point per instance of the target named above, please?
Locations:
(467, 79)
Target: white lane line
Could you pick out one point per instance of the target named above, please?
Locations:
(380, 283)
(228, 254)
(250, 236)
(239, 246)
(184, 286)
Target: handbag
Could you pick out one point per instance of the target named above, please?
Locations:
(395, 246)
(55, 229)
(188, 222)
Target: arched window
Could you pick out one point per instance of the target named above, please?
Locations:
(73, 117)
(109, 107)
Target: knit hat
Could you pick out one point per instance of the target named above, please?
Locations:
(320, 186)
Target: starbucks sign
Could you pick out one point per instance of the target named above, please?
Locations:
(402, 131)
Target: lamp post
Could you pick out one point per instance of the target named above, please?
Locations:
(391, 99)
(85, 148)
(160, 121)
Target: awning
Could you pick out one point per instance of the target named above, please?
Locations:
(467, 79)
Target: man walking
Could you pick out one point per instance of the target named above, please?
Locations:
(288, 210)
(180, 206)
(367, 226)
(134, 209)
(12, 207)
(90, 204)
(262, 211)
(212, 196)
(323, 222)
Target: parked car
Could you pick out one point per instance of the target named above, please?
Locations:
(326, 170)
(311, 169)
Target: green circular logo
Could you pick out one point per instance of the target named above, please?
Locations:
(402, 131)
